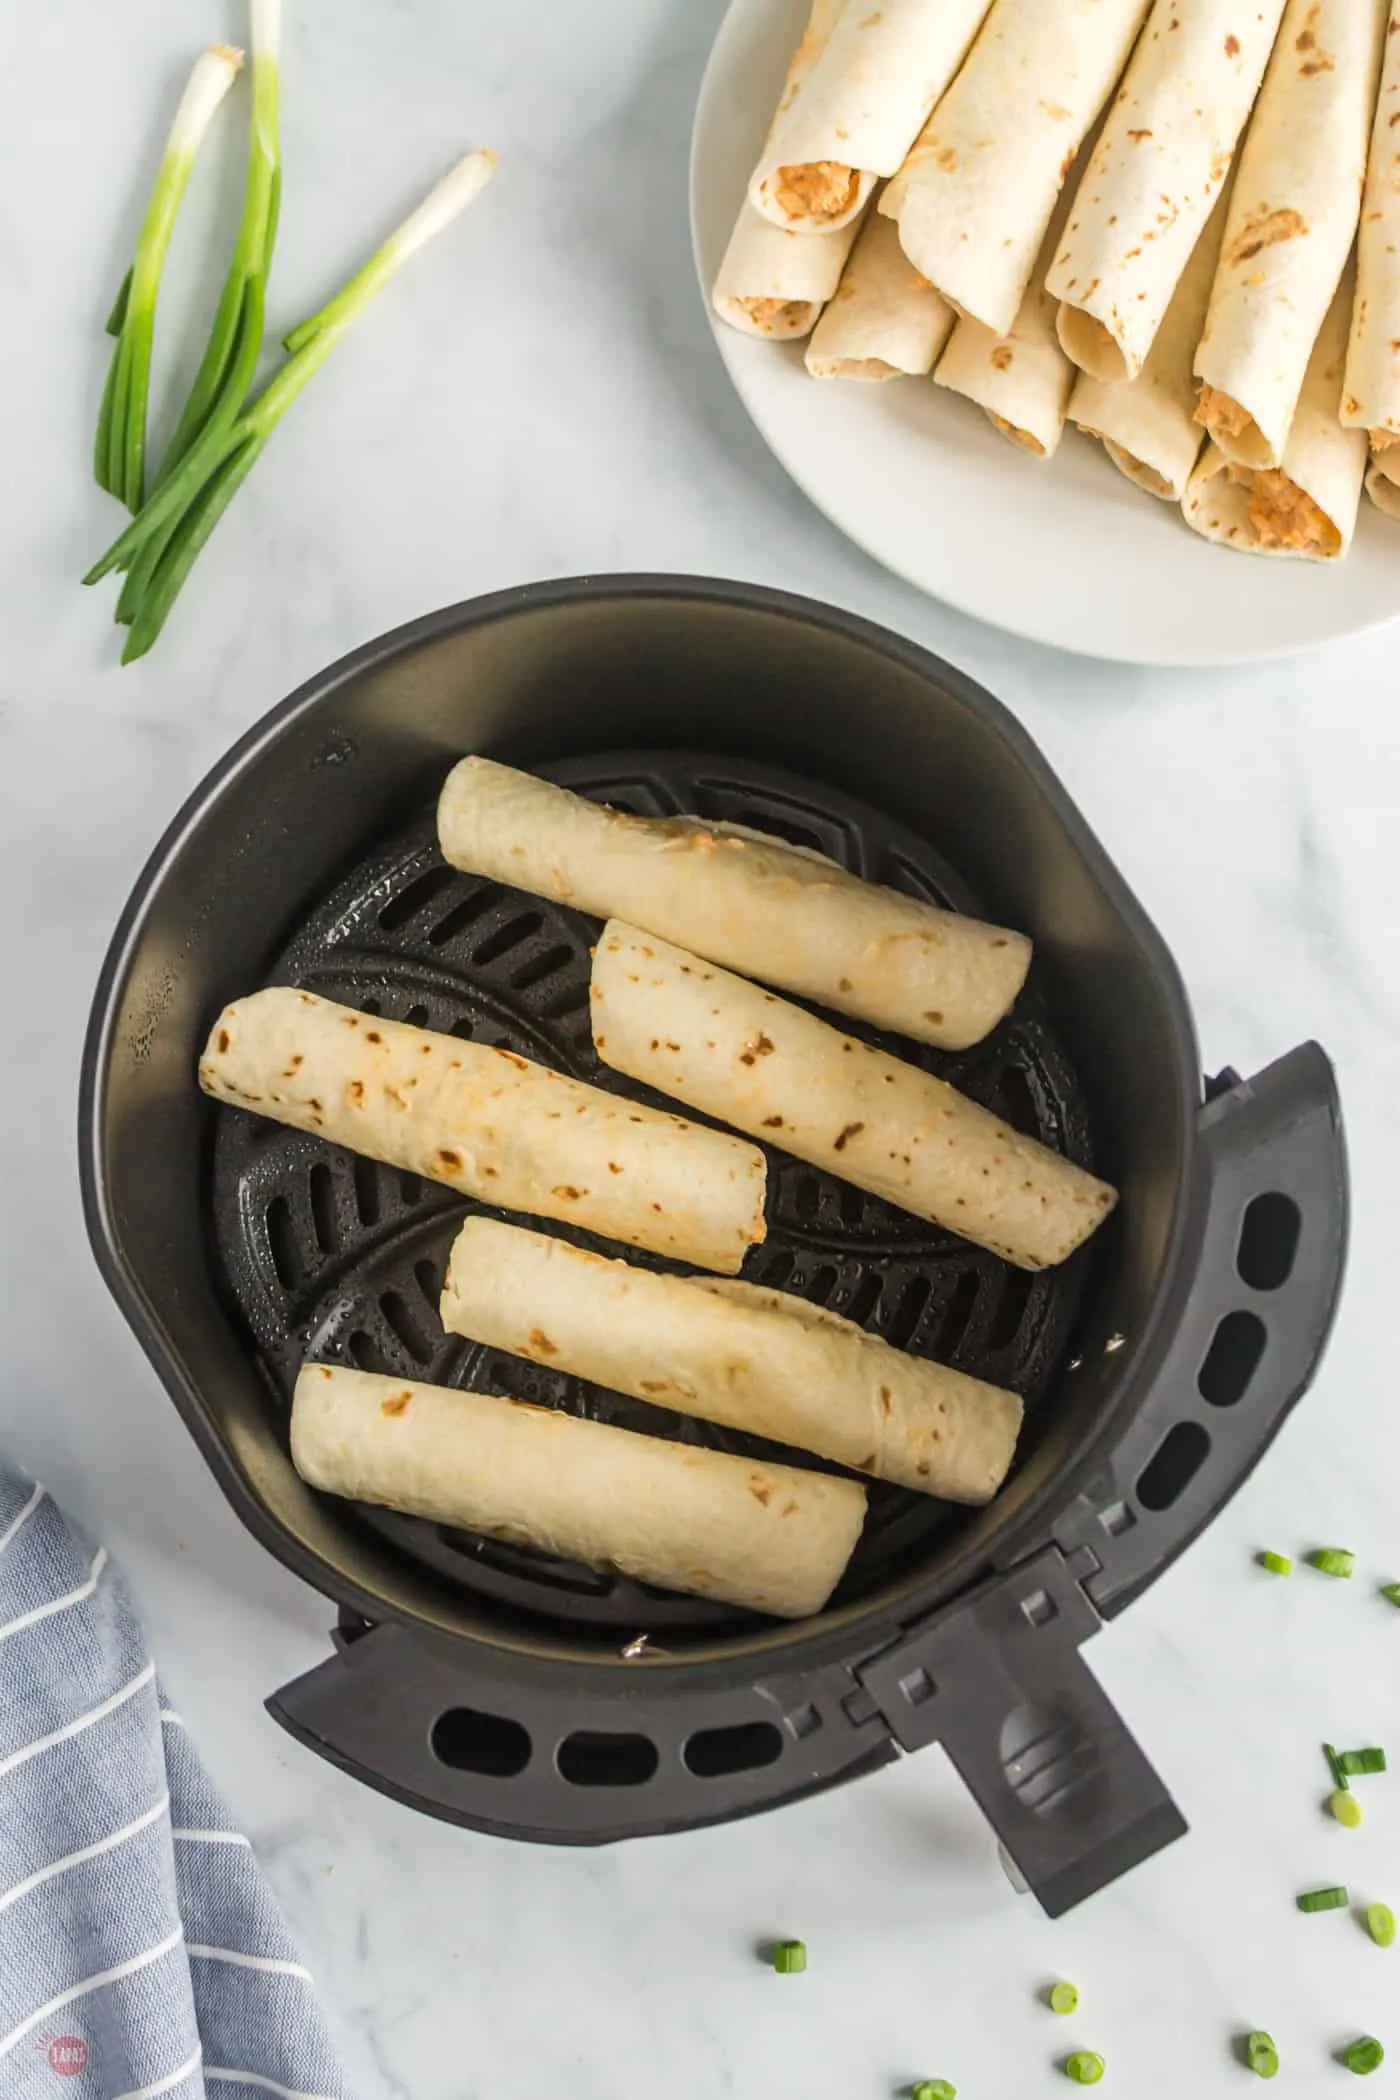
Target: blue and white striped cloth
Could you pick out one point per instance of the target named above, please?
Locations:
(141, 1951)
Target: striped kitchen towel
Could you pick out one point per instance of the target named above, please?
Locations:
(141, 1952)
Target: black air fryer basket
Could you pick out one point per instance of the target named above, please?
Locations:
(518, 1694)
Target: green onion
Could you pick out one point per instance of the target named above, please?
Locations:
(1323, 1899)
(1084, 2067)
(1346, 1808)
(1392, 1592)
(1358, 1764)
(790, 1957)
(1063, 1998)
(934, 2089)
(1364, 2056)
(1332, 1560)
(1334, 1765)
(1276, 1563)
(230, 359)
(1380, 1923)
(184, 509)
(1261, 2055)
(119, 455)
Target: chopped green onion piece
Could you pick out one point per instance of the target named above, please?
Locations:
(1085, 2067)
(1332, 1560)
(1357, 1764)
(934, 2089)
(790, 1957)
(1276, 1563)
(1364, 2056)
(1323, 1899)
(1392, 1592)
(1261, 2055)
(1347, 1809)
(1380, 1923)
(1063, 1998)
(119, 455)
(1339, 1777)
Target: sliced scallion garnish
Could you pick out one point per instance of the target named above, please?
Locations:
(119, 455)
(1323, 1899)
(1063, 1998)
(1334, 1766)
(1085, 2067)
(1276, 1563)
(1380, 1923)
(1332, 1560)
(1346, 1808)
(790, 1957)
(1363, 2056)
(1361, 1764)
(1261, 2054)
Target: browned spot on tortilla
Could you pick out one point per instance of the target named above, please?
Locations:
(223, 1042)
(851, 1130)
(356, 1092)
(1135, 135)
(521, 1064)
(325, 1370)
(451, 1160)
(761, 1494)
(886, 1400)
(396, 1404)
(843, 984)
(947, 159)
(789, 1509)
(567, 1193)
(1002, 356)
(935, 1018)
(1321, 64)
(772, 1122)
(374, 1036)
(613, 1167)
(351, 1021)
(1232, 47)
(540, 1341)
(319, 1106)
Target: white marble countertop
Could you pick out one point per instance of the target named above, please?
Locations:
(542, 397)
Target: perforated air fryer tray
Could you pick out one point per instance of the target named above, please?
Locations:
(337, 1258)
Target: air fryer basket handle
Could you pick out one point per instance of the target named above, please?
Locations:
(1243, 1337)
(1000, 1682)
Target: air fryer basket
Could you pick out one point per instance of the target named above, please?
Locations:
(515, 1693)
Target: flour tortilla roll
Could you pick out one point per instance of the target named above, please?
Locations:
(1307, 508)
(762, 1362)
(1383, 484)
(741, 1531)
(1165, 150)
(754, 1061)
(773, 283)
(1371, 393)
(1148, 425)
(1022, 380)
(858, 107)
(884, 319)
(977, 193)
(760, 906)
(1291, 222)
(489, 1124)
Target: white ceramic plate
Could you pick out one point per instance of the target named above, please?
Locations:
(1062, 551)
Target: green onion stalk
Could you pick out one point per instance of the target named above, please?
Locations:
(119, 455)
(183, 511)
(230, 361)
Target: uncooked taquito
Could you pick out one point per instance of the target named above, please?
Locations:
(1371, 389)
(490, 1124)
(1306, 508)
(1289, 230)
(858, 107)
(1147, 425)
(749, 1059)
(763, 1362)
(767, 909)
(884, 319)
(1021, 380)
(741, 1531)
(977, 194)
(773, 283)
(1140, 209)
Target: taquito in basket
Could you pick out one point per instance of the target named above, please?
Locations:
(858, 107)
(491, 1124)
(756, 1360)
(978, 191)
(1291, 223)
(767, 1537)
(754, 1061)
(770, 910)
(1140, 209)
